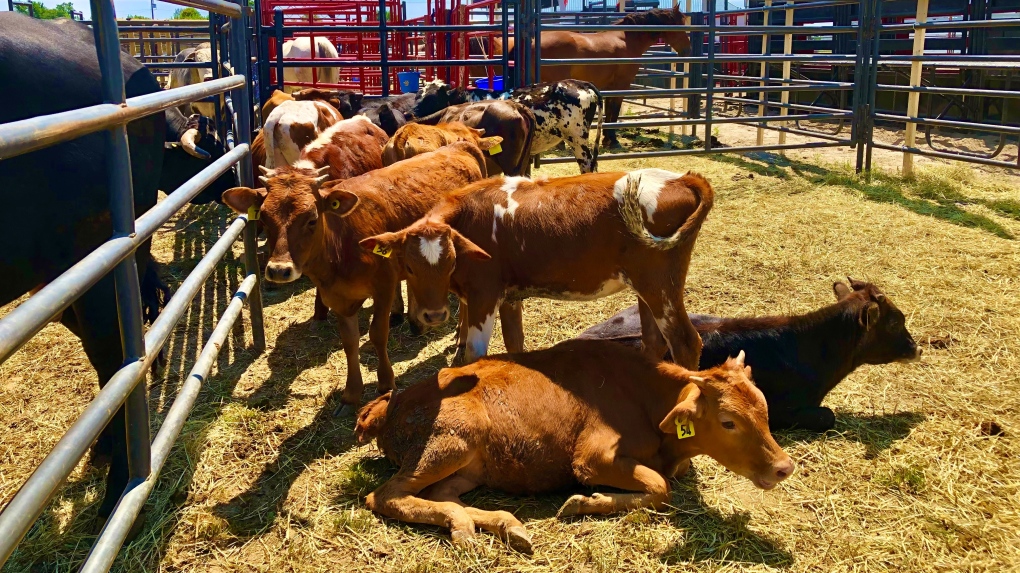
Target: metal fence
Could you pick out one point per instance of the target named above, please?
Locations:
(127, 386)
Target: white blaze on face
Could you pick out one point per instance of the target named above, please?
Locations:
(652, 182)
(478, 339)
(431, 249)
(509, 187)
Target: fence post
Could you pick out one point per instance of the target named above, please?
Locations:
(763, 97)
(876, 52)
(278, 32)
(787, 50)
(710, 94)
(858, 127)
(687, 79)
(914, 98)
(384, 55)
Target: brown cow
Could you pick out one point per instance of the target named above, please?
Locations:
(505, 239)
(314, 229)
(349, 148)
(414, 139)
(273, 102)
(584, 411)
(510, 120)
(292, 126)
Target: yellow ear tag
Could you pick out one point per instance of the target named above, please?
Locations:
(495, 149)
(382, 251)
(684, 429)
(253, 213)
(335, 204)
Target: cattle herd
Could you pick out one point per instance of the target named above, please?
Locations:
(433, 189)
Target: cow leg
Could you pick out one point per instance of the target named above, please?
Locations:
(583, 152)
(462, 326)
(613, 106)
(481, 318)
(350, 337)
(397, 308)
(379, 335)
(620, 473)
(811, 418)
(512, 320)
(652, 342)
(321, 310)
(502, 524)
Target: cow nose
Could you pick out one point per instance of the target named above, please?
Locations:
(784, 469)
(434, 317)
(281, 272)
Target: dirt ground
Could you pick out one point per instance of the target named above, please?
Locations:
(265, 478)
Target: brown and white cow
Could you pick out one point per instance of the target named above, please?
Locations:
(292, 126)
(314, 228)
(584, 411)
(415, 138)
(349, 148)
(510, 120)
(497, 242)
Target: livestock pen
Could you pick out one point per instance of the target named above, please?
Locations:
(919, 473)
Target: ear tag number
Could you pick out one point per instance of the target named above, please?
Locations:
(382, 251)
(495, 149)
(684, 429)
(335, 204)
(253, 213)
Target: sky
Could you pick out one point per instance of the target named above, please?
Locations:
(165, 10)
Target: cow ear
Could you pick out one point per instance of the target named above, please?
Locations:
(840, 289)
(479, 132)
(688, 407)
(384, 244)
(339, 201)
(240, 199)
(487, 143)
(869, 316)
(466, 248)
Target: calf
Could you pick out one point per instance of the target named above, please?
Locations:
(314, 228)
(389, 112)
(505, 239)
(582, 412)
(274, 102)
(509, 120)
(415, 139)
(348, 148)
(292, 126)
(797, 360)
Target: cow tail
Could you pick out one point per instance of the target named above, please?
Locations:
(372, 418)
(524, 164)
(633, 213)
(598, 130)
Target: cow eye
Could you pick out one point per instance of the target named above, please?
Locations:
(729, 425)
(311, 223)
(408, 269)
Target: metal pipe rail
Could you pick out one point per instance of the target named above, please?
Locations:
(720, 30)
(948, 91)
(964, 125)
(703, 151)
(689, 91)
(958, 25)
(304, 63)
(818, 58)
(332, 29)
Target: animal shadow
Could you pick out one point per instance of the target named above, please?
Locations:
(876, 432)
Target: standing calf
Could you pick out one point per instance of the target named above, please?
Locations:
(583, 411)
(505, 239)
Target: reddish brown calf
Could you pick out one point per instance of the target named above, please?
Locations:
(505, 239)
(584, 411)
(314, 230)
(414, 139)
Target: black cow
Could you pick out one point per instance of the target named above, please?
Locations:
(389, 113)
(796, 360)
(57, 198)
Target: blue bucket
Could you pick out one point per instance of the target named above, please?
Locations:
(408, 82)
(483, 83)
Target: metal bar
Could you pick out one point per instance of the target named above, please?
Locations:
(278, 31)
(724, 31)
(763, 97)
(710, 75)
(784, 96)
(949, 91)
(958, 25)
(914, 98)
(948, 123)
(178, 65)
(117, 527)
(819, 58)
(505, 30)
(939, 154)
(395, 28)
(702, 151)
(929, 58)
(29, 317)
(876, 39)
(305, 63)
(195, 29)
(228, 9)
(857, 126)
(687, 91)
(777, 105)
(743, 119)
(19, 137)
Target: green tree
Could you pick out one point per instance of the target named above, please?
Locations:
(137, 17)
(189, 14)
(44, 13)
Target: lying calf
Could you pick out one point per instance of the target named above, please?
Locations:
(505, 239)
(797, 360)
(584, 411)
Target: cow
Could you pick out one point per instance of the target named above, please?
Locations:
(797, 360)
(301, 49)
(314, 229)
(415, 139)
(275, 99)
(507, 119)
(389, 112)
(60, 194)
(502, 240)
(202, 53)
(564, 111)
(583, 412)
(292, 126)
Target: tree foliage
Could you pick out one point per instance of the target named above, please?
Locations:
(43, 13)
(189, 14)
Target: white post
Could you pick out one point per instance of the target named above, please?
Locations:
(763, 97)
(914, 98)
(787, 50)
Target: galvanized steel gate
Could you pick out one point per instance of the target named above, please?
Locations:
(127, 387)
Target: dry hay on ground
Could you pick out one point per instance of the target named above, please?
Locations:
(265, 479)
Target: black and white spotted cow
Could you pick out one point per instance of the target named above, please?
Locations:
(564, 111)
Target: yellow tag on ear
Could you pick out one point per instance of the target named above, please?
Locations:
(495, 149)
(684, 429)
(253, 213)
(382, 251)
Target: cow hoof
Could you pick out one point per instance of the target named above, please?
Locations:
(571, 507)
(461, 539)
(345, 410)
(519, 540)
(396, 319)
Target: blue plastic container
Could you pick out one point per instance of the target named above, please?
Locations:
(408, 81)
(483, 83)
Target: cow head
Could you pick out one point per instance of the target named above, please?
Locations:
(290, 207)
(679, 41)
(728, 420)
(428, 252)
(346, 102)
(884, 336)
(437, 95)
(192, 145)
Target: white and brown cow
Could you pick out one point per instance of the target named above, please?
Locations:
(292, 126)
(499, 241)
